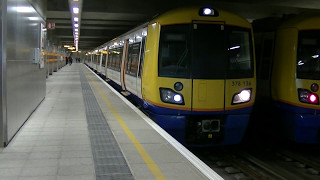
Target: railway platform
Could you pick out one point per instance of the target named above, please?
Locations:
(85, 130)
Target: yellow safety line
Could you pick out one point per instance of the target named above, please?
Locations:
(143, 153)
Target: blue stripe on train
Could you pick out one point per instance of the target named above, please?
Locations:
(300, 125)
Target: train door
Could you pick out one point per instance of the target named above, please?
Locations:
(208, 66)
(222, 66)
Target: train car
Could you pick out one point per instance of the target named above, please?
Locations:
(288, 74)
(54, 61)
(190, 69)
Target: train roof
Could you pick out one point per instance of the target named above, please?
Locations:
(299, 21)
(192, 13)
(303, 21)
(186, 15)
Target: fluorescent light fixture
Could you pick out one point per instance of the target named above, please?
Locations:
(33, 18)
(75, 10)
(76, 30)
(76, 19)
(24, 9)
(76, 25)
(66, 46)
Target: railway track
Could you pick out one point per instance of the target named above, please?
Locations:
(258, 163)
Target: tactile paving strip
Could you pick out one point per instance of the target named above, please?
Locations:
(109, 161)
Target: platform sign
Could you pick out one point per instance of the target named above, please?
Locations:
(50, 25)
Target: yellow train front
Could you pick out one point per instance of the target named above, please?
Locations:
(198, 80)
(291, 66)
(191, 69)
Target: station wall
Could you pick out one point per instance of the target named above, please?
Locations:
(23, 78)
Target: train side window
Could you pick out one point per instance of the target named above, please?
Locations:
(118, 58)
(108, 58)
(104, 56)
(133, 57)
(111, 57)
(129, 59)
(142, 49)
(113, 65)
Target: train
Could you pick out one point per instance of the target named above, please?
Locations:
(191, 70)
(288, 75)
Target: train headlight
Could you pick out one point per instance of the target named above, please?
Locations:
(242, 97)
(306, 96)
(170, 96)
(208, 12)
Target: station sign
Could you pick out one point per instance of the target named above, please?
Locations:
(51, 25)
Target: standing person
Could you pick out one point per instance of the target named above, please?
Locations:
(66, 60)
(70, 60)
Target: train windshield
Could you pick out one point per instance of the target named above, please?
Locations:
(205, 51)
(308, 55)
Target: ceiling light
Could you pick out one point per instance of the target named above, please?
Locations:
(75, 10)
(76, 19)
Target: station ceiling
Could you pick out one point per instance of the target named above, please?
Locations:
(103, 20)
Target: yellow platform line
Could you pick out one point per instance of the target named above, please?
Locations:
(143, 153)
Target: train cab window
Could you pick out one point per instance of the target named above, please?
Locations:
(174, 51)
(222, 51)
(308, 55)
(214, 51)
(240, 53)
(209, 51)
